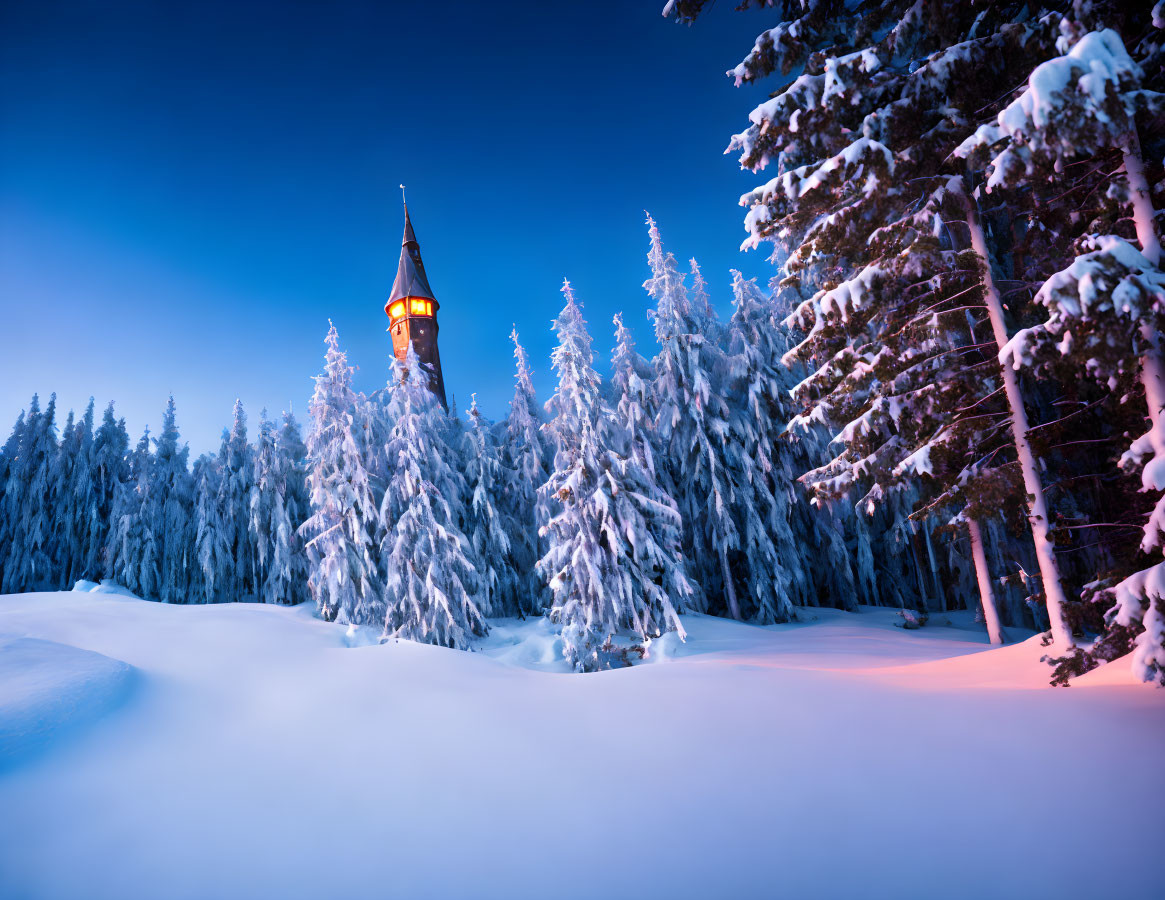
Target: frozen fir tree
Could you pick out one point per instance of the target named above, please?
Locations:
(486, 525)
(29, 497)
(613, 563)
(237, 476)
(1107, 308)
(701, 307)
(212, 556)
(858, 209)
(107, 470)
(262, 524)
(708, 444)
(276, 512)
(131, 554)
(285, 572)
(432, 584)
(64, 460)
(289, 443)
(10, 463)
(631, 396)
(340, 532)
(765, 481)
(631, 437)
(691, 423)
(525, 458)
(168, 511)
(78, 517)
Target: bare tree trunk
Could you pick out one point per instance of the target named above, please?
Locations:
(1152, 363)
(938, 587)
(1038, 507)
(923, 597)
(729, 587)
(1144, 216)
(983, 575)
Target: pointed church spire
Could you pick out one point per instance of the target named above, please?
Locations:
(411, 280)
(412, 308)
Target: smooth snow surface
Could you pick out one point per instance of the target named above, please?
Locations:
(48, 689)
(267, 754)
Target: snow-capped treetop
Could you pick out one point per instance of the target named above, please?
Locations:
(631, 390)
(666, 287)
(1079, 104)
(573, 405)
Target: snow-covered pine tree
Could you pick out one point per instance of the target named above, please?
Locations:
(238, 473)
(59, 499)
(708, 444)
(525, 457)
(691, 424)
(284, 507)
(212, 557)
(131, 556)
(29, 499)
(261, 524)
(836, 542)
(431, 590)
(80, 496)
(631, 397)
(632, 438)
(1107, 308)
(338, 535)
(108, 469)
(759, 387)
(701, 307)
(486, 524)
(613, 562)
(9, 463)
(860, 139)
(289, 443)
(168, 510)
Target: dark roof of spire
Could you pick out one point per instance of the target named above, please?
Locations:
(410, 273)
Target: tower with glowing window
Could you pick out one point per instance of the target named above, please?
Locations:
(412, 310)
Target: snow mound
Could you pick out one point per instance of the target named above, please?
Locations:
(105, 587)
(47, 689)
(528, 644)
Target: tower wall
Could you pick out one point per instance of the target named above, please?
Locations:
(422, 331)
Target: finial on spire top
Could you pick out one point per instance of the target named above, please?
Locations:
(402, 197)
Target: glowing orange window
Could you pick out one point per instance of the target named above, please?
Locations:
(397, 310)
(417, 306)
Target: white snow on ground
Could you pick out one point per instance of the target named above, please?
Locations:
(264, 753)
(46, 689)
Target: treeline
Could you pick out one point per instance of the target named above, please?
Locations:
(87, 506)
(669, 487)
(616, 506)
(964, 208)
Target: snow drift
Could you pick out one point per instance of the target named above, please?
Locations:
(48, 689)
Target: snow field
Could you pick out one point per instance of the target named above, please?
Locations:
(269, 754)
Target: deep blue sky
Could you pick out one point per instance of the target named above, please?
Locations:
(189, 191)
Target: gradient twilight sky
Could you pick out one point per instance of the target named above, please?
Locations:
(189, 191)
